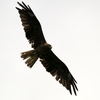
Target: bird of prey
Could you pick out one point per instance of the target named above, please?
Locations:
(42, 50)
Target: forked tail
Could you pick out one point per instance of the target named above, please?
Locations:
(30, 56)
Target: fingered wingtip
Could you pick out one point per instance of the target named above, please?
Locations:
(19, 3)
(17, 8)
(24, 6)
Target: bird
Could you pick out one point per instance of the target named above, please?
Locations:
(42, 50)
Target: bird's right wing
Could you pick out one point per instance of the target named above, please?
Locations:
(31, 25)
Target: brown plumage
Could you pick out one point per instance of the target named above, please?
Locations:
(42, 50)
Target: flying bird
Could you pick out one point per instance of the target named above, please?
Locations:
(42, 50)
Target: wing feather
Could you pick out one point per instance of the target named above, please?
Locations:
(31, 25)
(58, 69)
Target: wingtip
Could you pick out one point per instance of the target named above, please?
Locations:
(21, 4)
(24, 6)
(17, 8)
(18, 3)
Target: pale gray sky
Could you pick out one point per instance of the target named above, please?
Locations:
(73, 29)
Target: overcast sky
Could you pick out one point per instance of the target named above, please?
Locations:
(72, 27)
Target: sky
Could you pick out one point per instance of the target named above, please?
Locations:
(72, 27)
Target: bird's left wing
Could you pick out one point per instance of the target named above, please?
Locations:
(58, 69)
(32, 26)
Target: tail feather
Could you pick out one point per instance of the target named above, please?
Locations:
(30, 56)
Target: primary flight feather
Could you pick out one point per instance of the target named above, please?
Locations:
(42, 50)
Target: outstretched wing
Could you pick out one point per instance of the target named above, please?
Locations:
(58, 69)
(31, 25)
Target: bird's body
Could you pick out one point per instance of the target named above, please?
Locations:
(42, 50)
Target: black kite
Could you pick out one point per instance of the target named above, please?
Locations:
(42, 50)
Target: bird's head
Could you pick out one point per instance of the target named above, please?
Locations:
(48, 45)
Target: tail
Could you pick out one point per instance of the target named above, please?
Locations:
(30, 56)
